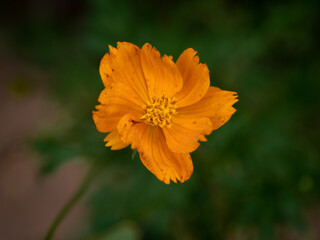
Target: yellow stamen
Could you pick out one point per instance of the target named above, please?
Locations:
(159, 111)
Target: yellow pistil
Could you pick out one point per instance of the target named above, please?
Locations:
(159, 111)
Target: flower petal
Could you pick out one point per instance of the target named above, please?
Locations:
(195, 75)
(105, 122)
(123, 65)
(118, 98)
(184, 134)
(154, 152)
(130, 129)
(113, 140)
(158, 159)
(115, 103)
(161, 74)
(216, 104)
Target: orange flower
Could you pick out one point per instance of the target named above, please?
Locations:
(163, 109)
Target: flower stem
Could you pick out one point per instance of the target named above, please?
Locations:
(83, 187)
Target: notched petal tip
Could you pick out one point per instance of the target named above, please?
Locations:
(112, 50)
(113, 140)
(195, 75)
(217, 105)
(184, 135)
(120, 44)
(161, 73)
(160, 160)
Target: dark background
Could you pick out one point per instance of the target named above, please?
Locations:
(257, 177)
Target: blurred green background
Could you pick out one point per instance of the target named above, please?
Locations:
(257, 177)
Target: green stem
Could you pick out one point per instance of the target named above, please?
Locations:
(92, 173)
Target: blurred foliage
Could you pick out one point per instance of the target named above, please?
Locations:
(256, 175)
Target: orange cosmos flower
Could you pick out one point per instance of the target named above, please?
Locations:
(163, 109)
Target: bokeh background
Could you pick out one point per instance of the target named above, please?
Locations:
(257, 177)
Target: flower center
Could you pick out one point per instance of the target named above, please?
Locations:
(160, 111)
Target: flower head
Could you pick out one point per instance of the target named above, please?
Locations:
(161, 108)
